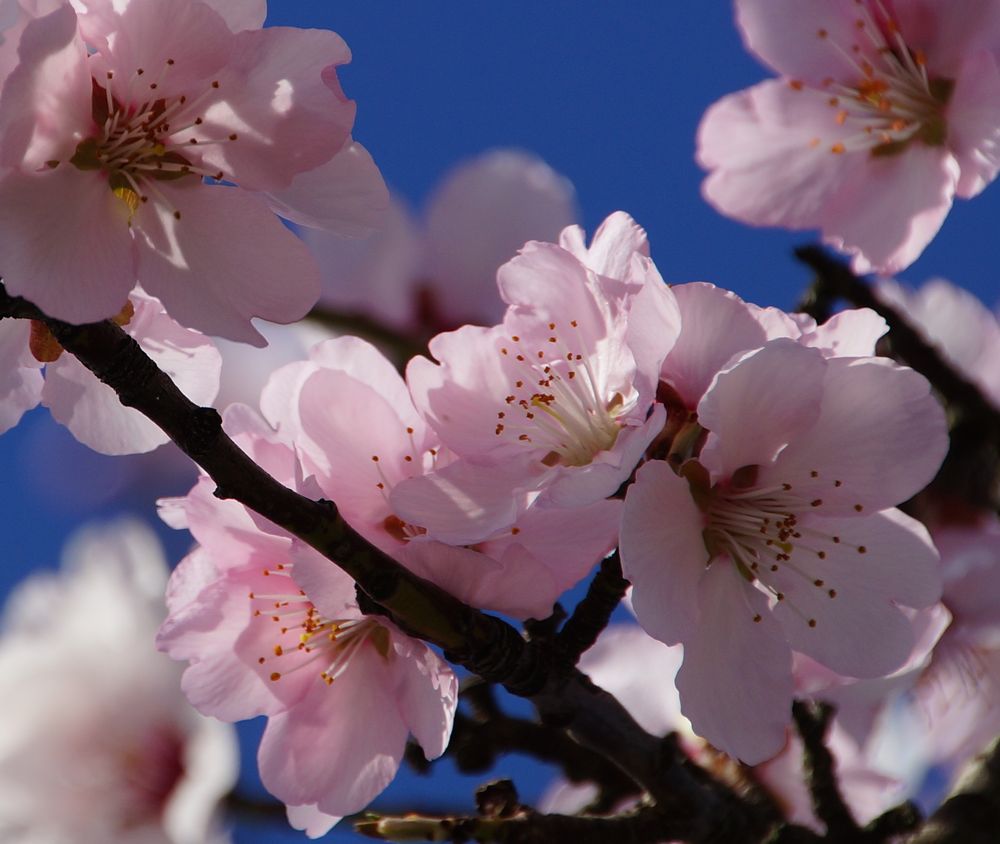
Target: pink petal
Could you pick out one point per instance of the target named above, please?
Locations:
(340, 746)
(280, 96)
(426, 693)
(329, 589)
(180, 45)
(313, 822)
(225, 260)
(851, 333)
(664, 558)
(464, 503)
(205, 630)
(785, 35)
(889, 211)
(20, 373)
(769, 398)
(859, 632)
(611, 249)
(949, 34)
(46, 102)
(736, 680)
(879, 439)
(91, 410)
(240, 14)
(974, 122)
(480, 216)
(714, 325)
(86, 272)
(346, 195)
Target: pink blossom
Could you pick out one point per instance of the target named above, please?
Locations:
(883, 113)
(558, 400)
(439, 271)
(271, 628)
(361, 462)
(958, 696)
(782, 534)
(127, 110)
(957, 323)
(99, 744)
(87, 407)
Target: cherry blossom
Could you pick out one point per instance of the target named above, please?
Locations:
(439, 271)
(885, 110)
(271, 628)
(520, 569)
(105, 746)
(559, 399)
(783, 535)
(129, 111)
(957, 323)
(77, 399)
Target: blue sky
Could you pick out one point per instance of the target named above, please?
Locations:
(610, 94)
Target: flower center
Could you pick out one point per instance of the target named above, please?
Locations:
(891, 100)
(137, 145)
(304, 637)
(557, 403)
(767, 535)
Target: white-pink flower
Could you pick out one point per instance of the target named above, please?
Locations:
(885, 111)
(272, 628)
(99, 745)
(557, 403)
(351, 419)
(111, 123)
(780, 534)
(89, 408)
(962, 328)
(439, 271)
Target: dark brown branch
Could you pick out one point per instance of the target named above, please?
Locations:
(482, 643)
(812, 721)
(971, 815)
(592, 614)
(645, 826)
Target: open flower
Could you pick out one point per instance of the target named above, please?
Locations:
(884, 112)
(781, 535)
(110, 126)
(99, 744)
(558, 400)
(272, 628)
(520, 569)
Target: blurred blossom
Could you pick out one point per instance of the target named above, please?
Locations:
(98, 743)
(441, 272)
(884, 112)
(953, 320)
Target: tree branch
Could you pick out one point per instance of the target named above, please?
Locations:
(484, 644)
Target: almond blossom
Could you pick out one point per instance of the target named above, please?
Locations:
(77, 399)
(884, 112)
(99, 744)
(783, 534)
(110, 125)
(271, 628)
(359, 464)
(558, 400)
(961, 327)
(439, 270)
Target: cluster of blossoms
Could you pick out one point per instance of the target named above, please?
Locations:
(747, 462)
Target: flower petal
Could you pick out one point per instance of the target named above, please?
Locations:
(226, 258)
